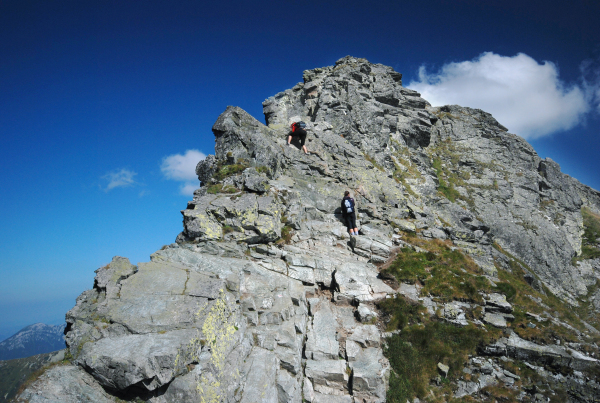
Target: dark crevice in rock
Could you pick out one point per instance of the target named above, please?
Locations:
(138, 392)
(350, 380)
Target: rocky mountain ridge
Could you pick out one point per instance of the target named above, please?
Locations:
(468, 239)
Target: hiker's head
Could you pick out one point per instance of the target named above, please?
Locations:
(347, 193)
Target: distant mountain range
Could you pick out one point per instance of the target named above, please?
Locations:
(34, 339)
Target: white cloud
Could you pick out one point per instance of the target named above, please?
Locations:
(590, 71)
(523, 95)
(188, 189)
(181, 167)
(119, 178)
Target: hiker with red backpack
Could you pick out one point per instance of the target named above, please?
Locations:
(298, 130)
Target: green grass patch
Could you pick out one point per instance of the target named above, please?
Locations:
(225, 171)
(512, 258)
(375, 164)
(220, 188)
(509, 291)
(525, 299)
(400, 176)
(446, 115)
(286, 235)
(530, 379)
(591, 232)
(445, 273)
(263, 169)
(416, 351)
(446, 181)
(227, 229)
(400, 312)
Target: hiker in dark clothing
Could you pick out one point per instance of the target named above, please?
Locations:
(349, 213)
(298, 130)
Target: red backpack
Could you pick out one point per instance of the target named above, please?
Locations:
(298, 125)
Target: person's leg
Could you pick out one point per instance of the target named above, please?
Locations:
(302, 136)
(353, 223)
(348, 220)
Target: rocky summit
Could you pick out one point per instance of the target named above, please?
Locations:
(474, 277)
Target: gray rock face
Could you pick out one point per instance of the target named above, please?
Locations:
(190, 325)
(556, 356)
(530, 208)
(206, 168)
(68, 384)
(265, 297)
(362, 102)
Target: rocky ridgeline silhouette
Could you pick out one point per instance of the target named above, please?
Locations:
(265, 297)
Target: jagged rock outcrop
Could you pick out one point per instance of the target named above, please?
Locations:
(265, 297)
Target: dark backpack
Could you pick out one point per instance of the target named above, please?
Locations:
(298, 125)
(348, 205)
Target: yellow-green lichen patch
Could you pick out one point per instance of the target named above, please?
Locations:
(208, 226)
(267, 225)
(219, 331)
(248, 217)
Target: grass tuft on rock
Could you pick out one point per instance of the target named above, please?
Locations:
(443, 272)
(526, 301)
(590, 248)
(226, 171)
(286, 235)
(227, 229)
(446, 184)
(220, 188)
(374, 162)
(416, 351)
(401, 312)
(263, 169)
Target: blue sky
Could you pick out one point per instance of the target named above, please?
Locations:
(101, 103)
